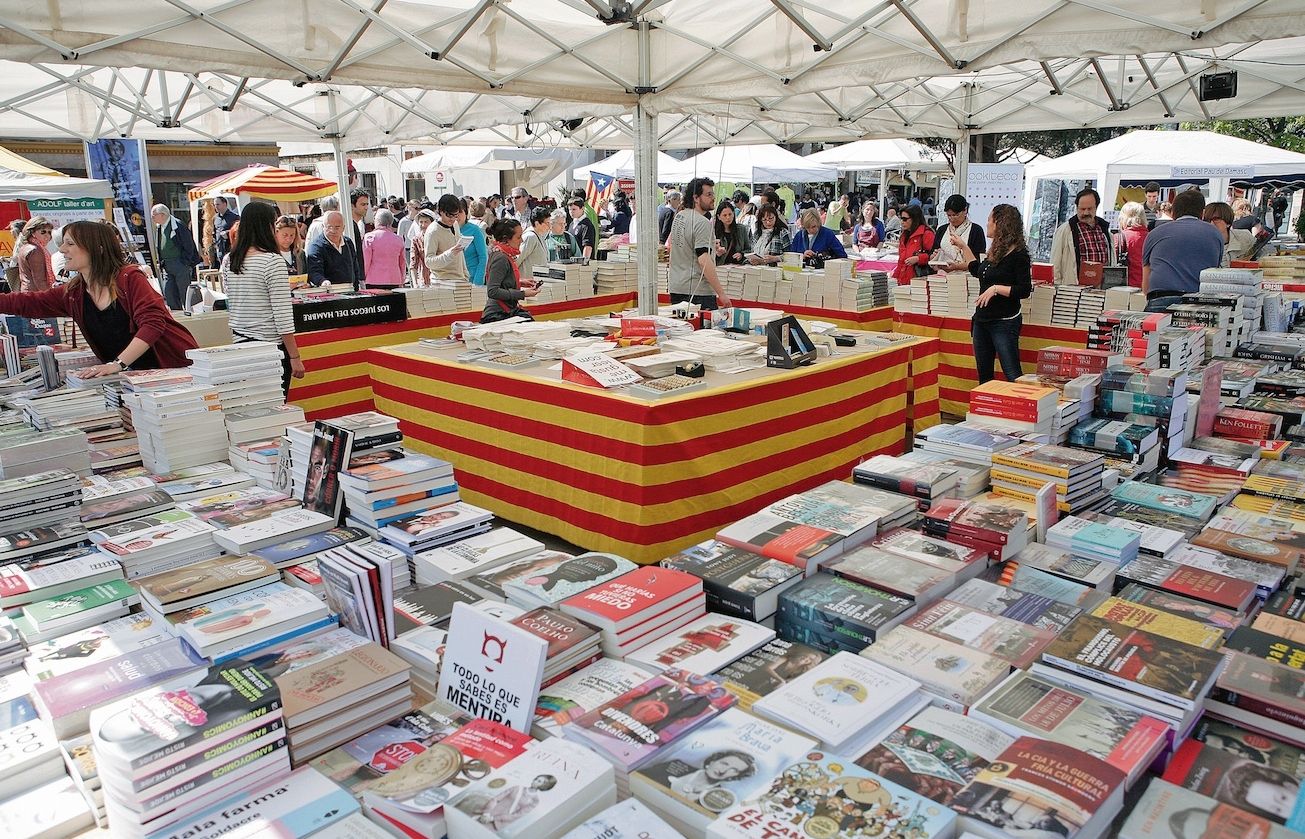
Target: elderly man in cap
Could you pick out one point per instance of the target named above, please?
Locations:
(175, 254)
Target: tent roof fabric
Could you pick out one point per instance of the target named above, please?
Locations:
(262, 181)
(473, 157)
(737, 71)
(747, 164)
(620, 165)
(25, 180)
(1146, 152)
(881, 154)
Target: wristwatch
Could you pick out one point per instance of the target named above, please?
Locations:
(122, 365)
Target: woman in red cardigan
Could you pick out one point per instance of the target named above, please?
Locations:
(124, 320)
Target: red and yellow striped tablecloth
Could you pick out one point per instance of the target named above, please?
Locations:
(337, 380)
(643, 478)
(956, 374)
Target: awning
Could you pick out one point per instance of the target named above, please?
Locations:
(263, 181)
(26, 180)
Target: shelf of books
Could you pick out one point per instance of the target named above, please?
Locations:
(956, 373)
(643, 477)
(336, 374)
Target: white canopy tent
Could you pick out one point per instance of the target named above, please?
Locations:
(620, 165)
(1168, 156)
(534, 166)
(643, 73)
(25, 180)
(747, 165)
(867, 155)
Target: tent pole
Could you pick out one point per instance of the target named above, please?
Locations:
(645, 179)
(883, 193)
(341, 167)
(962, 163)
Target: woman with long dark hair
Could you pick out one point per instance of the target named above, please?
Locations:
(123, 318)
(503, 285)
(1005, 278)
(915, 246)
(257, 281)
(732, 241)
(771, 237)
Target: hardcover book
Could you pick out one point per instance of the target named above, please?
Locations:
(566, 577)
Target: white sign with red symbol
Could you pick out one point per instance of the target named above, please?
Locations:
(439, 177)
(492, 669)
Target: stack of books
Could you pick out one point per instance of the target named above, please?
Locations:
(998, 529)
(833, 613)
(1071, 362)
(1094, 540)
(162, 547)
(703, 646)
(737, 582)
(972, 478)
(442, 525)
(631, 609)
(74, 610)
(1156, 398)
(1017, 643)
(245, 375)
(381, 488)
(925, 483)
(178, 428)
(240, 506)
(1183, 348)
(1242, 424)
(280, 527)
(572, 644)
(953, 675)
(209, 736)
(473, 555)
(1241, 281)
(84, 410)
(26, 451)
(1132, 334)
(964, 441)
(1021, 471)
(272, 614)
(39, 499)
(1014, 407)
(25, 583)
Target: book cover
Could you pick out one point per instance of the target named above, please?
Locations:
(295, 550)
(208, 577)
(491, 582)
(853, 613)
(765, 670)
(353, 672)
(94, 644)
(912, 544)
(1138, 661)
(1115, 733)
(1257, 788)
(1250, 548)
(1197, 583)
(1055, 461)
(1166, 499)
(1252, 745)
(229, 619)
(328, 454)
(279, 527)
(567, 577)
(1010, 602)
(25, 582)
(69, 694)
(950, 671)
(1265, 645)
(1010, 640)
(992, 522)
(817, 795)
(629, 819)
(469, 556)
(562, 632)
(1166, 811)
(1044, 785)
(586, 689)
(733, 577)
(703, 646)
(430, 605)
(360, 763)
(889, 572)
(936, 754)
(1138, 616)
(722, 763)
(1262, 688)
(68, 607)
(1225, 620)
(632, 727)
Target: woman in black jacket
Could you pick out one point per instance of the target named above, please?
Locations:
(1005, 278)
(503, 285)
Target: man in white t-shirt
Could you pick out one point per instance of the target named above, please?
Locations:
(693, 250)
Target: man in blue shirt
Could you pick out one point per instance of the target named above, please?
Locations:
(1176, 253)
(331, 256)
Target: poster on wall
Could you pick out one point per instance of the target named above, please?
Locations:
(62, 211)
(122, 162)
(990, 184)
(1053, 204)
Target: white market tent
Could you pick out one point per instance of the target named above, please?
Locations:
(1169, 156)
(747, 165)
(26, 180)
(641, 74)
(864, 155)
(537, 166)
(620, 165)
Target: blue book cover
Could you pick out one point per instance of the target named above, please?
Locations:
(1180, 502)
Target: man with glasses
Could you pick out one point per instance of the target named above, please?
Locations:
(957, 210)
(175, 254)
(519, 208)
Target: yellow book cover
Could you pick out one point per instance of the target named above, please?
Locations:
(1026, 480)
(1271, 506)
(1160, 623)
(1280, 626)
(1016, 390)
(1273, 487)
(1027, 497)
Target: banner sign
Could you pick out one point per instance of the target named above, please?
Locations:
(121, 162)
(316, 315)
(61, 211)
(1211, 172)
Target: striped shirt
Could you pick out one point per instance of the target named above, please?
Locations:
(258, 298)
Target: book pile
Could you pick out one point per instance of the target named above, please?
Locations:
(1071, 362)
(381, 490)
(172, 752)
(162, 547)
(452, 522)
(632, 609)
(963, 441)
(474, 555)
(616, 731)
(1183, 349)
(811, 527)
(178, 428)
(38, 499)
(84, 410)
(1021, 471)
(280, 527)
(275, 613)
(1286, 355)
(1157, 399)
(1240, 281)
(1243, 424)
(253, 437)
(925, 483)
(1134, 334)
(998, 529)
(1014, 407)
(833, 613)
(951, 674)
(737, 582)
(572, 644)
(74, 610)
(704, 645)
(869, 290)
(1094, 540)
(613, 277)
(26, 451)
(244, 375)
(24, 584)
(972, 478)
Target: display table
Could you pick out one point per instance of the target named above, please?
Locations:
(871, 320)
(644, 478)
(956, 373)
(337, 382)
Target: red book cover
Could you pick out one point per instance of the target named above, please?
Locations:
(1210, 587)
(1258, 788)
(988, 522)
(1263, 687)
(1002, 402)
(562, 632)
(1005, 412)
(636, 591)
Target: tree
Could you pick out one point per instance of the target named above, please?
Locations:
(1282, 132)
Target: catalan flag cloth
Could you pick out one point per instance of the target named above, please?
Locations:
(644, 478)
(262, 181)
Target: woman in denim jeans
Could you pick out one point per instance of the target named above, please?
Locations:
(1005, 278)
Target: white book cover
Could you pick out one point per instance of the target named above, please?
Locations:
(53, 809)
(474, 555)
(94, 644)
(714, 767)
(584, 690)
(78, 572)
(552, 783)
(246, 614)
(275, 528)
(704, 646)
(492, 669)
(184, 533)
(629, 819)
(837, 698)
(299, 805)
(26, 748)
